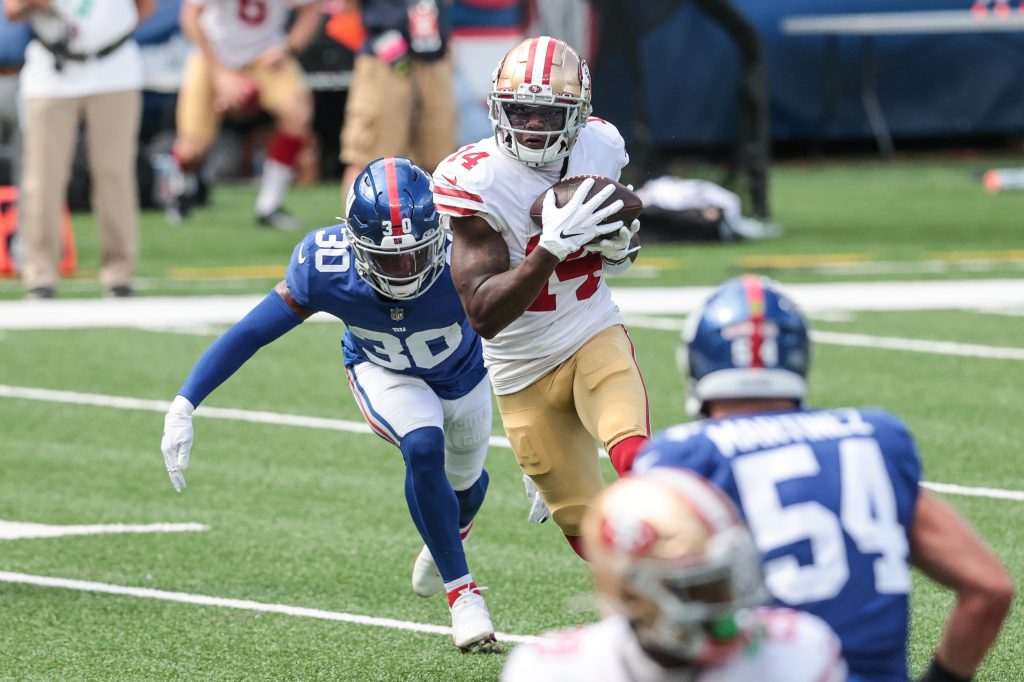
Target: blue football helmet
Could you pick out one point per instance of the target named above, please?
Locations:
(394, 228)
(748, 340)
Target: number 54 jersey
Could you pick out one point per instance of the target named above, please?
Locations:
(481, 180)
(829, 496)
(428, 336)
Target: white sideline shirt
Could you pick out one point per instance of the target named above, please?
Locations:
(90, 26)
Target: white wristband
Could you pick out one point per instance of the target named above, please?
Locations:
(181, 405)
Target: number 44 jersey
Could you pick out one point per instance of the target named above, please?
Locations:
(829, 496)
(428, 336)
(575, 304)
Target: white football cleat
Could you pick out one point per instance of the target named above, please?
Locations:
(426, 581)
(539, 512)
(471, 621)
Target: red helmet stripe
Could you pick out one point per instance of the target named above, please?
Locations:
(549, 57)
(529, 60)
(755, 302)
(394, 200)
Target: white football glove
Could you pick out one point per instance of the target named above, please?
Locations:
(538, 510)
(565, 230)
(177, 441)
(616, 247)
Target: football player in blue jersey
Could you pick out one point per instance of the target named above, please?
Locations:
(413, 362)
(833, 497)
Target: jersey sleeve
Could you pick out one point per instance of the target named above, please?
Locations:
(298, 275)
(460, 181)
(678, 446)
(902, 458)
(606, 155)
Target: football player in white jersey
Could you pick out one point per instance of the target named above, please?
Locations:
(243, 61)
(677, 571)
(560, 360)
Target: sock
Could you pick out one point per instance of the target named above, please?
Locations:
(432, 502)
(185, 165)
(576, 542)
(282, 153)
(624, 452)
(472, 498)
(456, 587)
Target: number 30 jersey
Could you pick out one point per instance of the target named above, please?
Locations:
(481, 180)
(829, 496)
(428, 336)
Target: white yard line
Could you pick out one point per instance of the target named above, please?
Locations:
(972, 350)
(173, 311)
(243, 604)
(18, 530)
(259, 417)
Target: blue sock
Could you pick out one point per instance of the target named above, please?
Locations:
(432, 502)
(471, 498)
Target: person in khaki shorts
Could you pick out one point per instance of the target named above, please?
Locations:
(244, 60)
(402, 98)
(82, 65)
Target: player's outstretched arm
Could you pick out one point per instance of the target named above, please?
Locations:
(270, 319)
(945, 548)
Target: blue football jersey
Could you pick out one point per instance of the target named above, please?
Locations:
(429, 336)
(829, 496)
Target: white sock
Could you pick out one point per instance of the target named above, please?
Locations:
(274, 184)
(458, 582)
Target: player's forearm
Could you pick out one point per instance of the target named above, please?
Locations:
(268, 321)
(19, 10)
(304, 28)
(972, 628)
(503, 298)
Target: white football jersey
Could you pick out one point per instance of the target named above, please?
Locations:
(241, 30)
(482, 180)
(784, 646)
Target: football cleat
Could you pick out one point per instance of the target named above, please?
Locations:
(539, 512)
(426, 579)
(280, 219)
(471, 621)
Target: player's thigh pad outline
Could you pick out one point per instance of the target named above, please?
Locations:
(378, 113)
(609, 390)
(281, 86)
(196, 118)
(552, 446)
(393, 404)
(467, 435)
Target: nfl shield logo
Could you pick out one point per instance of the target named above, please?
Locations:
(397, 314)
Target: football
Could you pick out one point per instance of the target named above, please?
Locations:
(632, 205)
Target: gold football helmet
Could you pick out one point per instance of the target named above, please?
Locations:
(539, 100)
(671, 555)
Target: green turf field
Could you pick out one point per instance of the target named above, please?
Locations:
(314, 518)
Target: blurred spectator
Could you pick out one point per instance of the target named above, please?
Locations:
(81, 65)
(243, 61)
(13, 39)
(483, 31)
(402, 101)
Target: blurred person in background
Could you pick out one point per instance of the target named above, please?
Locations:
(833, 497)
(402, 99)
(243, 61)
(14, 38)
(412, 361)
(679, 581)
(82, 66)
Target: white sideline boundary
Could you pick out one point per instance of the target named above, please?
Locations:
(241, 604)
(275, 418)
